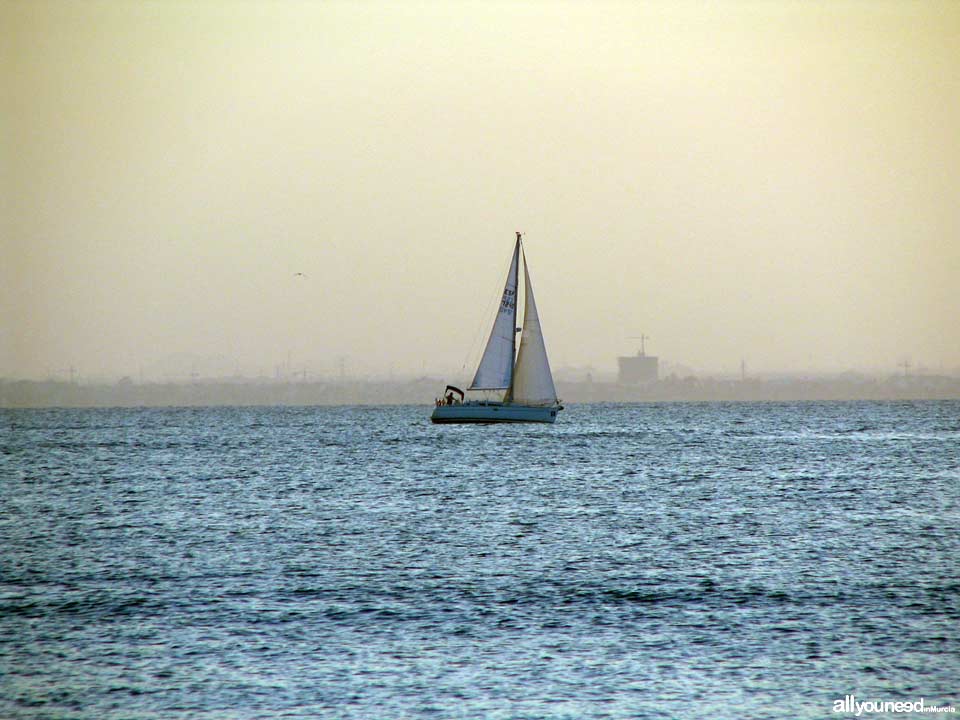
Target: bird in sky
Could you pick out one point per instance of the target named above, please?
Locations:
(300, 274)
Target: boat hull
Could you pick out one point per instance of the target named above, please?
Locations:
(494, 413)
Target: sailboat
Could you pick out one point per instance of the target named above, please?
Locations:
(523, 376)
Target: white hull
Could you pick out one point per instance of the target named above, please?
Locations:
(493, 412)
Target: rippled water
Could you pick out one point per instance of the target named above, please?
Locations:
(637, 561)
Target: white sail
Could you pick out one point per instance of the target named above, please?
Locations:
(532, 380)
(496, 366)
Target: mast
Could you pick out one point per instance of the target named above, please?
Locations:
(516, 283)
(516, 305)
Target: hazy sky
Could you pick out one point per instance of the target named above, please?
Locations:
(778, 182)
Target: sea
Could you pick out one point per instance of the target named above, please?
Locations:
(686, 560)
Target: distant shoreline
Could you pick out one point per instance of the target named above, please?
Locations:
(49, 394)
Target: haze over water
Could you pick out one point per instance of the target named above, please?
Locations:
(769, 181)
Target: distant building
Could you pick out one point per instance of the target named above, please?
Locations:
(639, 368)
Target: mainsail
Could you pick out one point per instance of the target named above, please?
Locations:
(495, 371)
(532, 380)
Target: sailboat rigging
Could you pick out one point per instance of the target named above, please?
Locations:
(522, 375)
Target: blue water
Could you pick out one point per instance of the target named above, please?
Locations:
(636, 561)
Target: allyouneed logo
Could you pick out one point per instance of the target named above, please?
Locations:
(850, 704)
